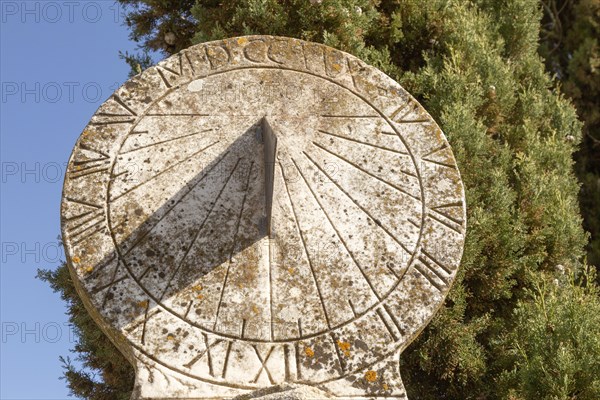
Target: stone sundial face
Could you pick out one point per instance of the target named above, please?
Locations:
(263, 210)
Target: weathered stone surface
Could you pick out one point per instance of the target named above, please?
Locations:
(287, 392)
(262, 211)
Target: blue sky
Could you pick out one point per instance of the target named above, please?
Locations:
(59, 62)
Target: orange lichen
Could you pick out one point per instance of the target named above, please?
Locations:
(309, 352)
(385, 386)
(200, 297)
(170, 337)
(143, 304)
(242, 41)
(371, 376)
(345, 347)
(76, 259)
(89, 269)
(197, 288)
(291, 270)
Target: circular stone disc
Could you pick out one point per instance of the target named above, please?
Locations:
(260, 210)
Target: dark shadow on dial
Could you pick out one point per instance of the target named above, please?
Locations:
(219, 214)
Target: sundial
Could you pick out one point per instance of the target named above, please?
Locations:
(262, 211)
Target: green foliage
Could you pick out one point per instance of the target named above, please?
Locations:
(94, 350)
(137, 62)
(508, 131)
(160, 25)
(555, 346)
(475, 67)
(343, 24)
(571, 47)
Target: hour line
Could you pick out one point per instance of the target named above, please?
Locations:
(162, 172)
(237, 227)
(413, 121)
(359, 206)
(189, 189)
(199, 230)
(338, 233)
(166, 141)
(362, 142)
(367, 172)
(312, 269)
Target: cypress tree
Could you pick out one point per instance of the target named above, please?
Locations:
(571, 48)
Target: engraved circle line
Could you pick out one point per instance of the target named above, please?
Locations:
(410, 262)
(230, 336)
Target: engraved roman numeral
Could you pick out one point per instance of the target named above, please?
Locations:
(226, 362)
(431, 157)
(189, 62)
(87, 220)
(433, 270)
(147, 316)
(390, 322)
(114, 111)
(443, 214)
(113, 120)
(400, 113)
(109, 285)
(209, 355)
(217, 55)
(165, 72)
(106, 288)
(298, 363)
(341, 360)
(292, 362)
(263, 361)
(111, 261)
(88, 161)
(171, 75)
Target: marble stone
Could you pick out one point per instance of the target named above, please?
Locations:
(263, 211)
